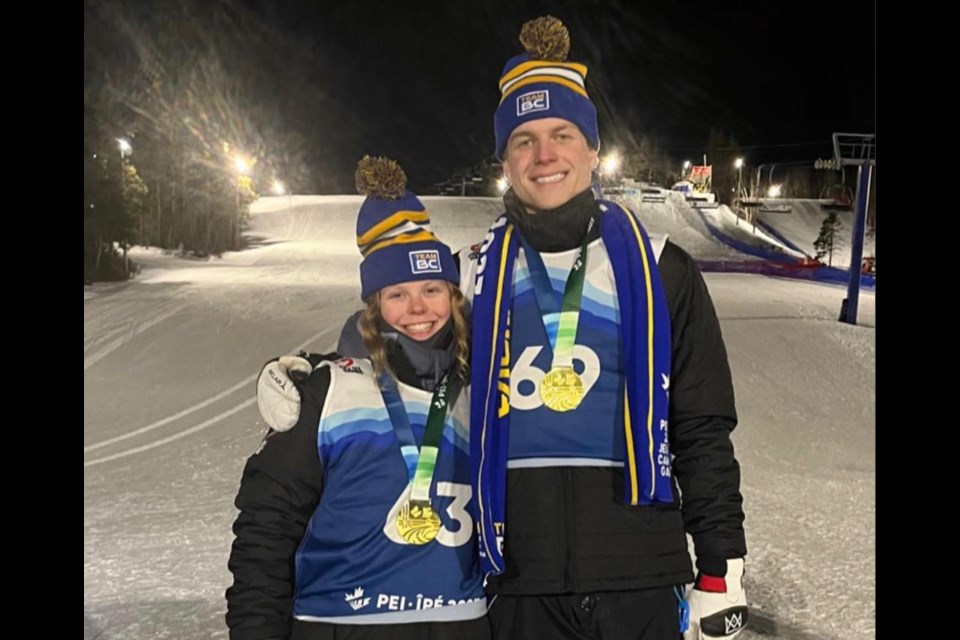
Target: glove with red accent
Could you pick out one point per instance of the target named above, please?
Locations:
(277, 395)
(718, 606)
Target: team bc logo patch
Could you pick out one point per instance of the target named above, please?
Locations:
(532, 102)
(425, 262)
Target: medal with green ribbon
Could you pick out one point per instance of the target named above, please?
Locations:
(561, 389)
(417, 523)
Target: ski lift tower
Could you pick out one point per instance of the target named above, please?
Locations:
(860, 150)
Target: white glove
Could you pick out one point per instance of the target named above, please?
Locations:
(718, 606)
(277, 396)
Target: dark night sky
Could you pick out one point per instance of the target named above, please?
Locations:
(330, 82)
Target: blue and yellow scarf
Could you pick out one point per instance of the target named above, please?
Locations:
(645, 349)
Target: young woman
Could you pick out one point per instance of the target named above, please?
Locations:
(355, 522)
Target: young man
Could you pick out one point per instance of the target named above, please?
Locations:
(601, 392)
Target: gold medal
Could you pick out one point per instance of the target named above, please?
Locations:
(561, 389)
(417, 523)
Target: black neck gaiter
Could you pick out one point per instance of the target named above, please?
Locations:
(553, 230)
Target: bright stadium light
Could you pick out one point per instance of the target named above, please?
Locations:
(241, 165)
(611, 164)
(125, 148)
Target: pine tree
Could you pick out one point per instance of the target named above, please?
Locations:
(105, 223)
(135, 194)
(828, 240)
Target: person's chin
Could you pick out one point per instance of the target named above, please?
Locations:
(546, 197)
(550, 202)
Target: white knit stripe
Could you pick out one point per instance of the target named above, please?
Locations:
(539, 463)
(399, 230)
(546, 71)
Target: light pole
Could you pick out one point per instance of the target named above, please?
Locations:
(243, 167)
(125, 150)
(738, 163)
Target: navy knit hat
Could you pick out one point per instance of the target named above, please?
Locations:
(540, 84)
(393, 231)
